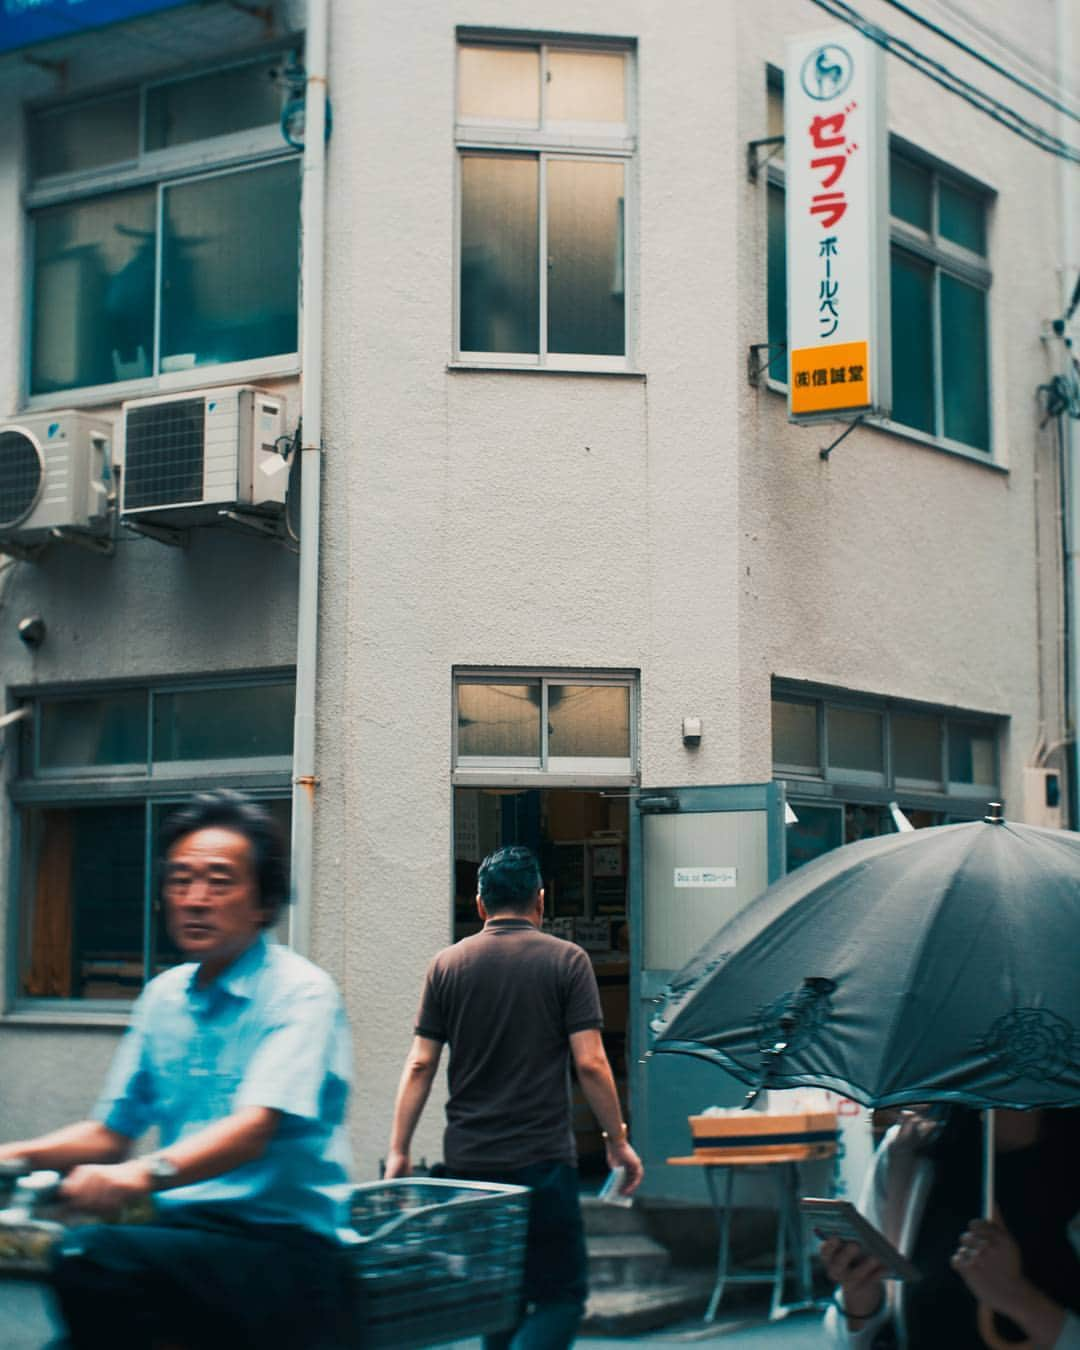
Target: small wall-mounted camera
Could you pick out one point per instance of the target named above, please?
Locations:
(32, 630)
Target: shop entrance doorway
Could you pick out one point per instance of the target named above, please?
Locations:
(581, 838)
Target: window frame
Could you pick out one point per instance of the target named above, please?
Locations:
(265, 778)
(234, 152)
(833, 783)
(581, 142)
(545, 771)
(943, 256)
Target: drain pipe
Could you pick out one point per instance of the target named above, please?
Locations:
(1070, 442)
(312, 218)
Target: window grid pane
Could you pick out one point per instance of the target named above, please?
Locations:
(500, 254)
(795, 735)
(499, 84)
(912, 341)
(854, 740)
(965, 382)
(962, 217)
(910, 192)
(216, 104)
(88, 136)
(777, 283)
(93, 291)
(499, 719)
(588, 721)
(916, 747)
(232, 723)
(93, 732)
(229, 283)
(585, 87)
(586, 304)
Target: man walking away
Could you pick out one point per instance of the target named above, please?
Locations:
(515, 1005)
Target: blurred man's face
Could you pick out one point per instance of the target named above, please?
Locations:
(212, 906)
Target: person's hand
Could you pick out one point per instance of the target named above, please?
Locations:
(620, 1154)
(398, 1164)
(105, 1188)
(988, 1261)
(858, 1276)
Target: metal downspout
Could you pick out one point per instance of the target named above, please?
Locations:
(1070, 447)
(312, 219)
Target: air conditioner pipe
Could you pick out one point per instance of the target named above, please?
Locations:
(312, 219)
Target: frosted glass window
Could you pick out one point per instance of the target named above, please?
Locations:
(87, 136)
(500, 282)
(231, 723)
(962, 217)
(585, 87)
(216, 104)
(910, 192)
(912, 340)
(971, 754)
(965, 378)
(499, 84)
(795, 735)
(591, 721)
(586, 301)
(93, 291)
(855, 740)
(499, 719)
(229, 267)
(84, 732)
(916, 747)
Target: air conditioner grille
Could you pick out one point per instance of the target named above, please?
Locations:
(164, 454)
(21, 472)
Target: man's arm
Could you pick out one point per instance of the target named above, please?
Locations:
(87, 1141)
(598, 1085)
(421, 1064)
(226, 1144)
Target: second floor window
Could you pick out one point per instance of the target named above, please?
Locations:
(164, 229)
(544, 151)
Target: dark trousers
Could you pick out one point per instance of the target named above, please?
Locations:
(556, 1282)
(223, 1287)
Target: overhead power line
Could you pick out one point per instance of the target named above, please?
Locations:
(986, 60)
(940, 74)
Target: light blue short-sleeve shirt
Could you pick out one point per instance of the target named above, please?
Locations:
(269, 1031)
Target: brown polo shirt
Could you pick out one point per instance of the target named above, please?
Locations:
(506, 1002)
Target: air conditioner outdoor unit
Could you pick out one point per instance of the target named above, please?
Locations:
(1044, 803)
(189, 457)
(55, 474)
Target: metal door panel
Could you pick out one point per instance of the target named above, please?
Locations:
(699, 855)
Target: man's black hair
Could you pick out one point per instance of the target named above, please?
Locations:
(509, 879)
(225, 809)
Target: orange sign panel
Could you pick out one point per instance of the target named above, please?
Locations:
(827, 379)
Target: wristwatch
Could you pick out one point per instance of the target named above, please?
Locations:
(619, 1138)
(161, 1170)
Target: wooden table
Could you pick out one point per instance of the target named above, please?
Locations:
(782, 1160)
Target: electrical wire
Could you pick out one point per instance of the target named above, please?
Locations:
(1047, 74)
(949, 80)
(978, 56)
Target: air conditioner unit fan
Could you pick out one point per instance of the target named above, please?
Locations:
(187, 458)
(55, 474)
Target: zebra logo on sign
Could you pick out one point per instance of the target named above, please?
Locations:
(826, 72)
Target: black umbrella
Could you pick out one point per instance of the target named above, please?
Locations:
(933, 965)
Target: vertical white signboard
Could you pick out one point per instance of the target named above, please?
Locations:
(836, 161)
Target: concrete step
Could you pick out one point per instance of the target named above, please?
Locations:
(603, 1220)
(624, 1311)
(625, 1259)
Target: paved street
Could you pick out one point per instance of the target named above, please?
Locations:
(24, 1325)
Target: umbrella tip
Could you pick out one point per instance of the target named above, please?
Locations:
(993, 814)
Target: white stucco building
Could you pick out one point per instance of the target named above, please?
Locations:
(580, 582)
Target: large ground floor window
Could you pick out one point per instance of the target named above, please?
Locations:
(855, 766)
(99, 772)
